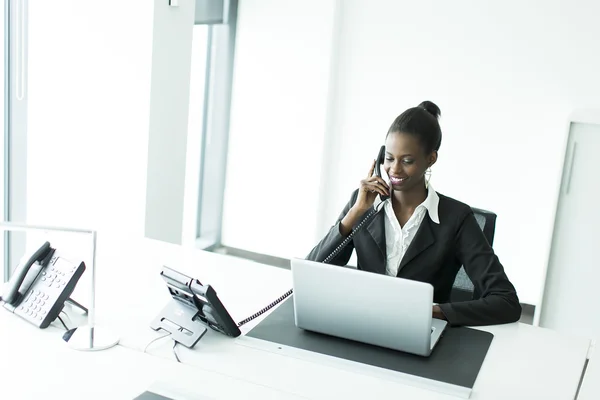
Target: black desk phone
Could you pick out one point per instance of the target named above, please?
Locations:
(193, 307)
(40, 285)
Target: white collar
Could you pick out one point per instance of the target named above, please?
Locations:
(431, 204)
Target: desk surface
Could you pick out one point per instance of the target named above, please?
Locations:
(37, 364)
(523, 361)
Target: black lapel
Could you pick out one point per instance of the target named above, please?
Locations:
(377, 230)
(422, 240)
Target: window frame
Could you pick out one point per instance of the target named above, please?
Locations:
(215, 129)
(15, 129)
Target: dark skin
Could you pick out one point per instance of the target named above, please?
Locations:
(406, 162)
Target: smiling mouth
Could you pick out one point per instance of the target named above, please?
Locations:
(397, 181)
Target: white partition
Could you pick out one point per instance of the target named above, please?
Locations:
(569, 299)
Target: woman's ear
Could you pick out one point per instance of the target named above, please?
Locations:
(433, 158)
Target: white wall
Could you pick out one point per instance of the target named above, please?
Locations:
(506, 75)
(278, 121)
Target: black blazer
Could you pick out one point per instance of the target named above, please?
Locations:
(435, 255)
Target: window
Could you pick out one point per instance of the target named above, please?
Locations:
(84, 99)
(78, 119)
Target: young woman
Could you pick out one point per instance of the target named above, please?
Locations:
(421, 234)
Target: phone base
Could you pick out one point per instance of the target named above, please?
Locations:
(180, 321)
(92, 339)
(76, 304)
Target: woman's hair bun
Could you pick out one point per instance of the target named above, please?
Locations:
(431, 108)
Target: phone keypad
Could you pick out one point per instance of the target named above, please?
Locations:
(33, 305)
(55, 279)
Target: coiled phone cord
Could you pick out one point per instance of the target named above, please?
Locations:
(334, 253)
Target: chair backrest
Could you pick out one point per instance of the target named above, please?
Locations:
(462, 288)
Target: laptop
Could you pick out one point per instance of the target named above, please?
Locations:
(366, 307)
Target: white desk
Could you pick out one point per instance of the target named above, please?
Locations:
(37, 364)
(522, 362)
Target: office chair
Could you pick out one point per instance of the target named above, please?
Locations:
(462, 288)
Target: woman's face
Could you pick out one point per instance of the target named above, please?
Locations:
(406, 162)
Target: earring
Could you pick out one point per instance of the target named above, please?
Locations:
(427, 177)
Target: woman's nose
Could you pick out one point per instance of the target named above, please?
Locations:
(395, 170)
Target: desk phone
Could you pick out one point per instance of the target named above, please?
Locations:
(40, 286)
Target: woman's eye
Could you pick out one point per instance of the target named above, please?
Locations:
(389, 159)
(406, 161)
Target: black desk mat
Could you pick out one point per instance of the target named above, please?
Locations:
(456, 359)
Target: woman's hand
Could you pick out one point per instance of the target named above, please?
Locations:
(436, 312)
(368, 191)
(370, 187)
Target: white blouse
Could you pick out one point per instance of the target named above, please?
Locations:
(398, 239)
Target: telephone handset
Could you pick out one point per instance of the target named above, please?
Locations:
(371, 214)
(378, 163)
(12, 290)
(40, 286)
